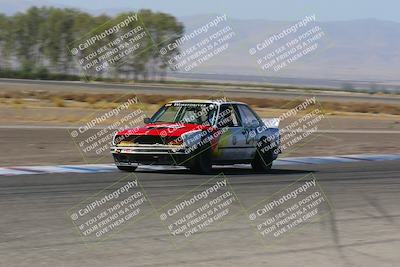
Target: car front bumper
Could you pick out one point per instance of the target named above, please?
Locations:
(149, 154)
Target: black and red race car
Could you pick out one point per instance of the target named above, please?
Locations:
(197, 134)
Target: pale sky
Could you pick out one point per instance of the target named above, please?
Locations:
(250, 9)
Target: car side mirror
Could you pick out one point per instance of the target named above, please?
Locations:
(255, 123)
(147, 120)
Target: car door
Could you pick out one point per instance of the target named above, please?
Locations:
(250, 122)
(232, 144)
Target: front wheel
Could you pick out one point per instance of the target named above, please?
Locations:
(127, 168)
(201, 162)
(264, 157)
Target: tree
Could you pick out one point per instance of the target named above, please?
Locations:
(6, 42)
(163, 29)
(41, 38)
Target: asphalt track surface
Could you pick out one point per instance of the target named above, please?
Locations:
(362, 229)
(165, 89)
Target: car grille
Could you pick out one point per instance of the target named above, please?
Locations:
(147, 139)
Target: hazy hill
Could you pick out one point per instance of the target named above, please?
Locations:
(360, 49)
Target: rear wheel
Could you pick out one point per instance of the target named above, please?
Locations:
(127, 168)
(264, 157)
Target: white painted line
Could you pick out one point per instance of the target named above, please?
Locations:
(7, 172)
(101, 168)
(318, 160)
(378, 157)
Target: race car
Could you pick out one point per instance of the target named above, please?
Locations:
(197, 134)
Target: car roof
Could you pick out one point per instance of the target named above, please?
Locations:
(206, 101)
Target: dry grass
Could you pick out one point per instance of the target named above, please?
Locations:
(58, 102)
(107, 101)
(17, 101)
(361, 108)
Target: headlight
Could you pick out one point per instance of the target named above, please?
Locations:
(119, 140)
(113, 140)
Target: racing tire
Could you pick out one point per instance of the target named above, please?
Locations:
(201, 162)
(127, 168)
(264, 158)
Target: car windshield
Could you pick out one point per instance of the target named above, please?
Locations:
(196, 113)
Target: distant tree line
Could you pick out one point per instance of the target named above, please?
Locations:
(34, 44)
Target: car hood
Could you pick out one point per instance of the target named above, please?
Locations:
(163, 129)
